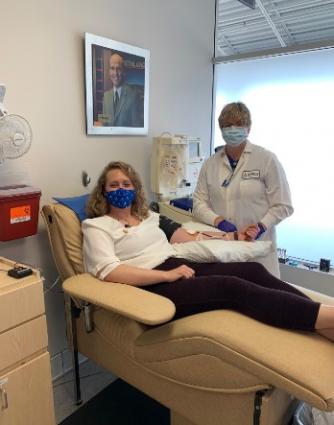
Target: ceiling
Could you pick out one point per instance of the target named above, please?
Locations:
(273, 24)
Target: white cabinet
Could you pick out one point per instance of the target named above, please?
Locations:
(25, 377)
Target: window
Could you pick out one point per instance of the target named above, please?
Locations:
(291, 101)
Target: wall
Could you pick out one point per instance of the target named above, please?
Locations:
(42, 65)
(316, 280)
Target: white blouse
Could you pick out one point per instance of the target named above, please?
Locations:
(108, 244)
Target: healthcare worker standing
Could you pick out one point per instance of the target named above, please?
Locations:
(243, 186)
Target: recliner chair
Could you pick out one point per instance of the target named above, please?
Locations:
(213, 368)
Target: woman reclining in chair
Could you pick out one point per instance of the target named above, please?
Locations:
(124, 243)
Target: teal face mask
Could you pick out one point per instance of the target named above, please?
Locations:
(234, 136)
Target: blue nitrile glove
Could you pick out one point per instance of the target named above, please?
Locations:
(261, 231)
(227, 226)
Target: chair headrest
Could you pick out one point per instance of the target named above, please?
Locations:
(65, 236)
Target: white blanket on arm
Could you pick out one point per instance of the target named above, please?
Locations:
(216, 250)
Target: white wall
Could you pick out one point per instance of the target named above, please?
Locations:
(42, 65)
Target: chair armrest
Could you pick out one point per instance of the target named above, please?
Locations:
(130, 301)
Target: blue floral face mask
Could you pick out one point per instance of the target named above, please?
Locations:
(121, 198)
(234, 136)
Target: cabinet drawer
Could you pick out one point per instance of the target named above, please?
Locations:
(26, 394)
(20, 303)
(22, 342)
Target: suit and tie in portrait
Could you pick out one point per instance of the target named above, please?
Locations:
(124, 109)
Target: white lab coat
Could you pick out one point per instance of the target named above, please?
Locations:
(258, 191)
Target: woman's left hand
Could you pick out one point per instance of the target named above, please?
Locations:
(250, 232)
(242, 237)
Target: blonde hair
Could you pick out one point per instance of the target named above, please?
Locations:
(236, 112)
(98, 206)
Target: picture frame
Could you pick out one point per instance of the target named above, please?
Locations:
(117, 87)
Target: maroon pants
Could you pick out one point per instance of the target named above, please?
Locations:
(245, 287)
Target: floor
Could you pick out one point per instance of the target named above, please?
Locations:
(120, 404)
(93, 380)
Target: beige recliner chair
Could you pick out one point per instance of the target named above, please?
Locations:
(213, 368)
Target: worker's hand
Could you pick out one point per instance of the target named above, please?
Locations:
(226, 226)
(181, 272)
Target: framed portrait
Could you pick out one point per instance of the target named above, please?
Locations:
(117, 87)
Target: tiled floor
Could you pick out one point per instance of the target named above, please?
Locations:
(93, 380)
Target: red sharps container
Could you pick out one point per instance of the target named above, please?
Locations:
(19, 208)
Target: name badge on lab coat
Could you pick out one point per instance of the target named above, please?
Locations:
(254, 174)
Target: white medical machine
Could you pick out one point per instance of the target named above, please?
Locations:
(176, 162)
(175, 166)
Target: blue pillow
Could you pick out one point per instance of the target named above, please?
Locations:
(76, 204)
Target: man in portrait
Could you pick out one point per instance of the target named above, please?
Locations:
(122, 106)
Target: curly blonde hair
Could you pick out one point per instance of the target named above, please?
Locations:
(235, 113)
(98, 206)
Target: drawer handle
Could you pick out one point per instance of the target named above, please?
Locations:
(3, 394)
(4, 399)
